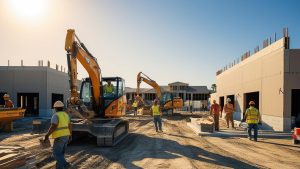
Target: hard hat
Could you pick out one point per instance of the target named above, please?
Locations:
(58, 104)
(251, 103)
(6, 96)
(228, 100)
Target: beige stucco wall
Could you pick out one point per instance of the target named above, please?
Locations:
(262, 72)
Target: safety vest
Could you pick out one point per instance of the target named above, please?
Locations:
(252, 115)
(134, 104)
(63, 125)
(109, 89)
(155, 110)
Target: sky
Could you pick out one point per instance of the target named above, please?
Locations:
(168, 40)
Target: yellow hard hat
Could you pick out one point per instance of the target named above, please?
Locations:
(251, 103)
(6, 96)
(58, 104)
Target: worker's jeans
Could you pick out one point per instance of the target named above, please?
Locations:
(229, 118)
(59, 147)
(135, 111)
(157, 122)
(216, 120)
(255, 128)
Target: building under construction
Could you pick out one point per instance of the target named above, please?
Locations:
(34, 88)
(270, 77)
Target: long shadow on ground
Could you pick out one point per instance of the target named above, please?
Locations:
(137, 147)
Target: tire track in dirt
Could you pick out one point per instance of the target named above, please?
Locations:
(231, 159)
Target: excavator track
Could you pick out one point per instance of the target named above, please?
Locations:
(108, 132)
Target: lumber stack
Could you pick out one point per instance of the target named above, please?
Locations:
(15, 157)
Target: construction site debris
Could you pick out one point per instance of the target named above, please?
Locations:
(15, 157)
(205, 124)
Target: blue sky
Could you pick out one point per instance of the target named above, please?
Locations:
(169, 40)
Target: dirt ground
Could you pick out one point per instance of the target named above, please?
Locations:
(177, 147)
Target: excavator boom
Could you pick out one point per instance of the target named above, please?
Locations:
(169, 103)
(78, 51)
(149, 81)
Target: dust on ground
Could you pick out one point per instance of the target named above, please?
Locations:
(177, 147)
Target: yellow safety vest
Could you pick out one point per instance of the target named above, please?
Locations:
(252, 115)
(155, 110)
(109, 89)
(63, 125)
(134, 104)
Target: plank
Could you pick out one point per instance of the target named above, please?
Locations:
(8, 157)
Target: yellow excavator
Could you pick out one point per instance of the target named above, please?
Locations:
(95, 109)
(167, 99)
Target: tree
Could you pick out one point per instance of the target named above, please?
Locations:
(214, 87)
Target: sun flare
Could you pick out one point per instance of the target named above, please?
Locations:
(28, 9)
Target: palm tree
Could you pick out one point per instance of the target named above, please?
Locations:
(214, 87)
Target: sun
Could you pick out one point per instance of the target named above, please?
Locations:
(29, 9)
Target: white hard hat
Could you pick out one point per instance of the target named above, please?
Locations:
(6, 96)
(228, 100)
(58, 104)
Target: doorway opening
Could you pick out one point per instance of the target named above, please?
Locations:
(2, 102)
(231, 97)
(30, 102)
(221, 101)
(295, 111)
(56, 97)
(253, 96)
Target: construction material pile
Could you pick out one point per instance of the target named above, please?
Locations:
(206, 120)
(15, 157)
(204, 124)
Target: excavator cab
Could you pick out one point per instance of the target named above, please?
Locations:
(169, 101)
(113, 89)
(112, 97)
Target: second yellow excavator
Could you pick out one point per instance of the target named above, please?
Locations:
(167, 99)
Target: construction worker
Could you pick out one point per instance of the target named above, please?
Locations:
(109, 88)
(191, 106)
(215, 110)
(8, 102)
(228, 109)
(253, 118)
(155, 109)
(135, 105)
(60, 131)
